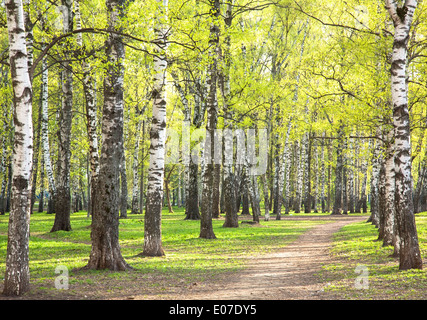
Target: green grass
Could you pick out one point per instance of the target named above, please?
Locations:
(357, 245)
(188, 258)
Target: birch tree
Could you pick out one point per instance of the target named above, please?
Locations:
(402, 16)
(63, 196)
(91, 110)
(231, 219)
(105, 252)
(17, 274)
(153, 211)
(206, 229)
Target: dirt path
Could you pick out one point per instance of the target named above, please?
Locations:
(289, 274)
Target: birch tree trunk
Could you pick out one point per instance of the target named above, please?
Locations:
(307, 170)
(250, 179)
(17, 274)
(123, 186)
(106, 253)
(135, 165)
(153, 211)
(41, 200)
(323, 174)
(36, 152)
(283, 170)
(206, 229)
(300, 174)
(338, 205)
(91, 112)
(266, 199)
(410, 257)
(45, 137)
(231, 219)
(374, 218)
(63, 196)
(389, 210)
(288, 180)
(381, 198)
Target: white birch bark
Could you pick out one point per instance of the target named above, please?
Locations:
(402, 17)
(135, 164)
(45, 129)
(152, 229)
(316, 170)
(300, 175)
(17, 275)
(29, 36)
(389, 210)
(250, 179)
(374, 184)
(283, 170)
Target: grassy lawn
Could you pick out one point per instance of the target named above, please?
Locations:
(188, 259)
(355, 246)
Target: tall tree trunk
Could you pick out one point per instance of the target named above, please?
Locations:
(337, 209)
(63, 196)
(266, 202)
(283, 171)
(45, 138)
(381, 198)
(410, 257)
(123, 187)
(317, 180)
(206, 228)
(41, 200)
(141, 189)
(350, 183)
(307, 169)
(36, 157)
(135, 165)
(153, 211)
(231, 219)
(91, 113)
(106, 253)
(192, 210)
(299, 163)
(376, 158)
(288, 179)
(17, 275)
(389, 210)
(323, 173)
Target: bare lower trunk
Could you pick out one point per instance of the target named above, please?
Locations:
(106, 252)
(266, 202)
(63, 196)
(299, 174)
(17, 274)
(192, 210)
(206, 228)
(231, 219)
(135, 165)
(374, 218)
(283, 170)
(338, 205)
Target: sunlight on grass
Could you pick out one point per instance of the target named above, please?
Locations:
(187, 256)
(357, 244)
